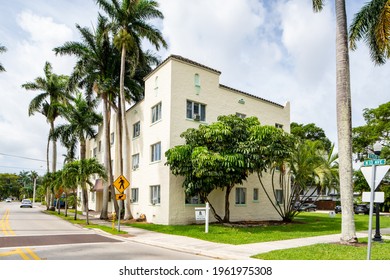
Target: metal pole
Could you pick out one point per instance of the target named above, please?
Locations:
(371, 211)
(207, 217)
(119, 216)
(377, 236)
(35, 184)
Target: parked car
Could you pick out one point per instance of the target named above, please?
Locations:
(361, 209)
(8, 200)
(307, 207)
(337, 209)
(26, 203)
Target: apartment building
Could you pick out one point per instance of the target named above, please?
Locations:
(181, 94)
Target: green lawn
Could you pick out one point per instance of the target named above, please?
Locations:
(305, 225)
(82, 222)
(379, 251)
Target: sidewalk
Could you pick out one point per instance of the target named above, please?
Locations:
(218, 250)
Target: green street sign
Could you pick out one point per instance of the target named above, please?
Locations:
(374, 162)
(373, 156)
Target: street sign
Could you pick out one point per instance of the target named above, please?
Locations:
(373, 156)
(374, 162)
(120, 196)
(380, 172)
(121, 183)
(379, 197)
(200, 215)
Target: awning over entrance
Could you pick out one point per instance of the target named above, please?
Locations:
(98, 187)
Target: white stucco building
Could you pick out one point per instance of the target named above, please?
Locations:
(180, 94)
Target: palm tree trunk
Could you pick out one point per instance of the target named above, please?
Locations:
(107, 157)
(83, 153)
(344, 124)
(125, 156)
(54, 142)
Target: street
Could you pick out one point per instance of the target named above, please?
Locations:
(28, 233)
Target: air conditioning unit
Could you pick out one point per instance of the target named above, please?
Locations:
(135, 167)
(196, 117)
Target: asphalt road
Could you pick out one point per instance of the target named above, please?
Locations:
(29, 234)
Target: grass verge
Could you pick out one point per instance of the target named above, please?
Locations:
(82, 222)
(379, 251)
(305, 225)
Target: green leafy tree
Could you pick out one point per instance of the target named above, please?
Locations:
(344, 120)
(130, 26)
(53, 92)
(79, 171)
(376, 129)
(2, 49)
(310, 132)
(9, 185)
(211, 158)
(372, 25)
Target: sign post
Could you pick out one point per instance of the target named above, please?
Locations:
(373, 180)
(202, 214)
(121, 184)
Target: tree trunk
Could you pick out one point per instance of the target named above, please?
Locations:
(54, 163)
(125, 156)
(216, 216)
(107, 157)
(226, 219)
(344, 124)
(83, 153)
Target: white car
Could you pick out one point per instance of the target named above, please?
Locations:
(26, 203)
(8, 200)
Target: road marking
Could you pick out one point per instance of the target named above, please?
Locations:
(25, 254)
(5, 226)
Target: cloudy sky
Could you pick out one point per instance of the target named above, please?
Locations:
(276, 49)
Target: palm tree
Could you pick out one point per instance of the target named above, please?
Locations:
(34, 177)
(372, 24)
(81, 122)
(344, 120)
(130, 26)
(97, 71)
(54, 92)
(79, 171)
(2, 49)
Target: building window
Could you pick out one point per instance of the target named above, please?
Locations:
(156, 152)
(134, 195)
(278, 125)
(135, 161)
(279, 196)
(197, 83)
(196, 199)
(240, 196)
(136, 129)
(255, 194)
(156, 86)
(95, 152)
(242, 116)
(156, 112)
(155, 194)
(112, 138)
(100, 146)
(196, 111)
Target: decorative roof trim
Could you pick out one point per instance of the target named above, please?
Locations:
(251, 95)
(182, 59)
(189, 61)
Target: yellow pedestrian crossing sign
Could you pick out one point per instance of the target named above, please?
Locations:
(121, 183)
(120, 196)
